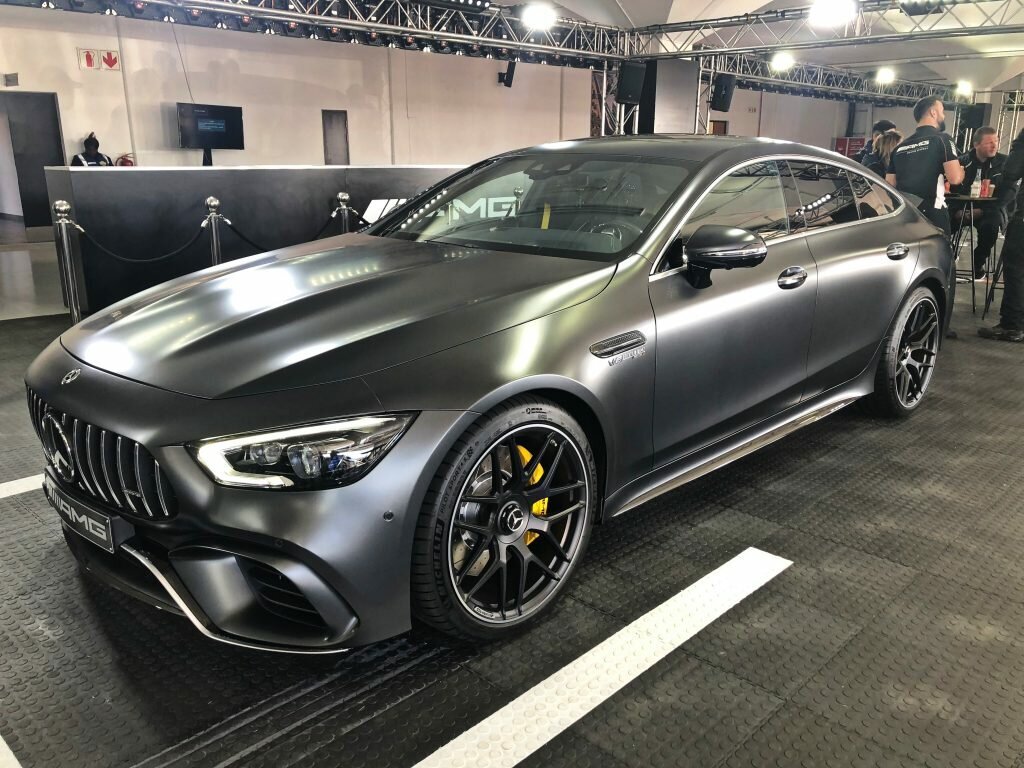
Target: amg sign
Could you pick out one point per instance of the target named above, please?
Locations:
(82, 522)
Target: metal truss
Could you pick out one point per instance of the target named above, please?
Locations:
(495, 31)
(877, 21)
(812, 79)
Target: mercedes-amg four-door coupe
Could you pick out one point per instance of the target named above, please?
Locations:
(306, 449)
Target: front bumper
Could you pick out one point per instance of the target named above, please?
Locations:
(343, 553)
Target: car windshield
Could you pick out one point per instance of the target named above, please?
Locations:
(590, 206)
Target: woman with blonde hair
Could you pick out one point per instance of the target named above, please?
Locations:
(881, 152)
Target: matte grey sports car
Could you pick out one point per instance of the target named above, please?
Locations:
(305, 449)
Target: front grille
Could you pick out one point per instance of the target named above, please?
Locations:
(279, 595)
(113, 470)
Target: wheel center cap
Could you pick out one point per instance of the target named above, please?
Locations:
(511, 518)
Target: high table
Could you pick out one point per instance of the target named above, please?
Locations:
(965, 229)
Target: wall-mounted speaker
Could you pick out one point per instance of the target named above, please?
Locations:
(505, 78)
(721, 92)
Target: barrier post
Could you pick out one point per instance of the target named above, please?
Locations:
(343, 200)
(62, 236)
(213, 219)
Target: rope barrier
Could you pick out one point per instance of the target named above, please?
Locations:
(245, 239)
(176, 252)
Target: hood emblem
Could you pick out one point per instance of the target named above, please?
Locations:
(58, 448)
(71, 375)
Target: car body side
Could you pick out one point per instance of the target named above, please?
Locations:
(357, 539)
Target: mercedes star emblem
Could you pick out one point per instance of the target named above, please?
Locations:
(71, 375)
(58, 449)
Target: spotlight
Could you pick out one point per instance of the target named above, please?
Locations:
(47, 4)
(539, 16)
(169, 18)
(832, 13)
(782, 61)
(885, 76)
(195, 13)
(221, 24)
(245, 21)
(964, 88)
(110, 11)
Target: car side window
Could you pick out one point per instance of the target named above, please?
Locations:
(889, 201)
(750, 198)
(869, 202)
(826, 195)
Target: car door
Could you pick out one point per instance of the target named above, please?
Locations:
(732, 353)
(861, 279)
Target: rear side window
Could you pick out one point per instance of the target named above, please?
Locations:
(826, 195)
(872, 199)
(750, 198)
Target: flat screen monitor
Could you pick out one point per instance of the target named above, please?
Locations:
(209, 126)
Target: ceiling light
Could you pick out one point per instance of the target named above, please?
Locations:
(539, 16)
(885, 76)
(832, 13)
(964, 88)
(782, 61)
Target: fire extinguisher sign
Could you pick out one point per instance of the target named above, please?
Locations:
(91, 58)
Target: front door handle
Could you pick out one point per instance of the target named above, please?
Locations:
(897, 251)
(792, 277)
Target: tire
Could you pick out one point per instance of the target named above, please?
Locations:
(908, 358)
(483, 546)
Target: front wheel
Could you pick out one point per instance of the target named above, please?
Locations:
(908, 357)
(506, 521)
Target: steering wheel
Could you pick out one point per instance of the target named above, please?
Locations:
(616, 229)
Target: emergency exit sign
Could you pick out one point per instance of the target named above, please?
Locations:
(93, 58)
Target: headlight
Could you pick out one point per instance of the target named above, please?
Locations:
(304, 458)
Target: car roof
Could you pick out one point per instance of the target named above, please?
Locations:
(696, 148)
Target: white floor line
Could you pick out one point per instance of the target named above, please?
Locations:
(7, 758)
(516, 730)
(24, 485)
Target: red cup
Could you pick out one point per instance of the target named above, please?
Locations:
(985, 188)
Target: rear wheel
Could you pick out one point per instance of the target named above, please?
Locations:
(908, 357)
(507, 520)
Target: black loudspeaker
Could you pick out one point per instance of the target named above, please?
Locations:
(631, 82)
(976, 115)
(721, 92)
(505, 78)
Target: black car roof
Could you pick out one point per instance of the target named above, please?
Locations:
(697, 148)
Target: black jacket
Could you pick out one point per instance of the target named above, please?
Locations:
(873, 162)
(1013, 172)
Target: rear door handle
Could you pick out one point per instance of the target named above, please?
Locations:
(897, 251)
(792, 277)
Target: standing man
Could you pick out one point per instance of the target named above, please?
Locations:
(865, 155)
(1011, 313)
(920, 166)
(92, 155)
(985, 162)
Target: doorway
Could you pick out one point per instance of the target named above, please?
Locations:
(719, 128)
(30, 140)
(335, 137)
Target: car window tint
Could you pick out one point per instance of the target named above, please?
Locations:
(889, 200)
(794, 210)
(826, 195)
(869, 202)
(750, 198)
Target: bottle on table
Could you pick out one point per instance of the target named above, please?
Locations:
(976, 188)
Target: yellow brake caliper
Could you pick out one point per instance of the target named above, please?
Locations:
(540, 507)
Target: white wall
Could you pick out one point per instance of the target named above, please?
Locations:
(10, 196)
(780, 116)
(403, 107)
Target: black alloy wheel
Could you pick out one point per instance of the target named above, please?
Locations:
(504, 543)
(908, 356)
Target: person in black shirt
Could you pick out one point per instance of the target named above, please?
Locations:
(1011, 312)
(919, 164)
(867, 155)
(985, 162)
(92, 155)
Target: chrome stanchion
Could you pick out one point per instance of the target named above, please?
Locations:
(343, 209)
(62, 236)
(213, 218)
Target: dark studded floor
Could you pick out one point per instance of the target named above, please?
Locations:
(895, 639)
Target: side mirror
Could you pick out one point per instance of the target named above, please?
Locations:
(714, 246)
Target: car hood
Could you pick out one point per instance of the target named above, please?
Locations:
(323, 312)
